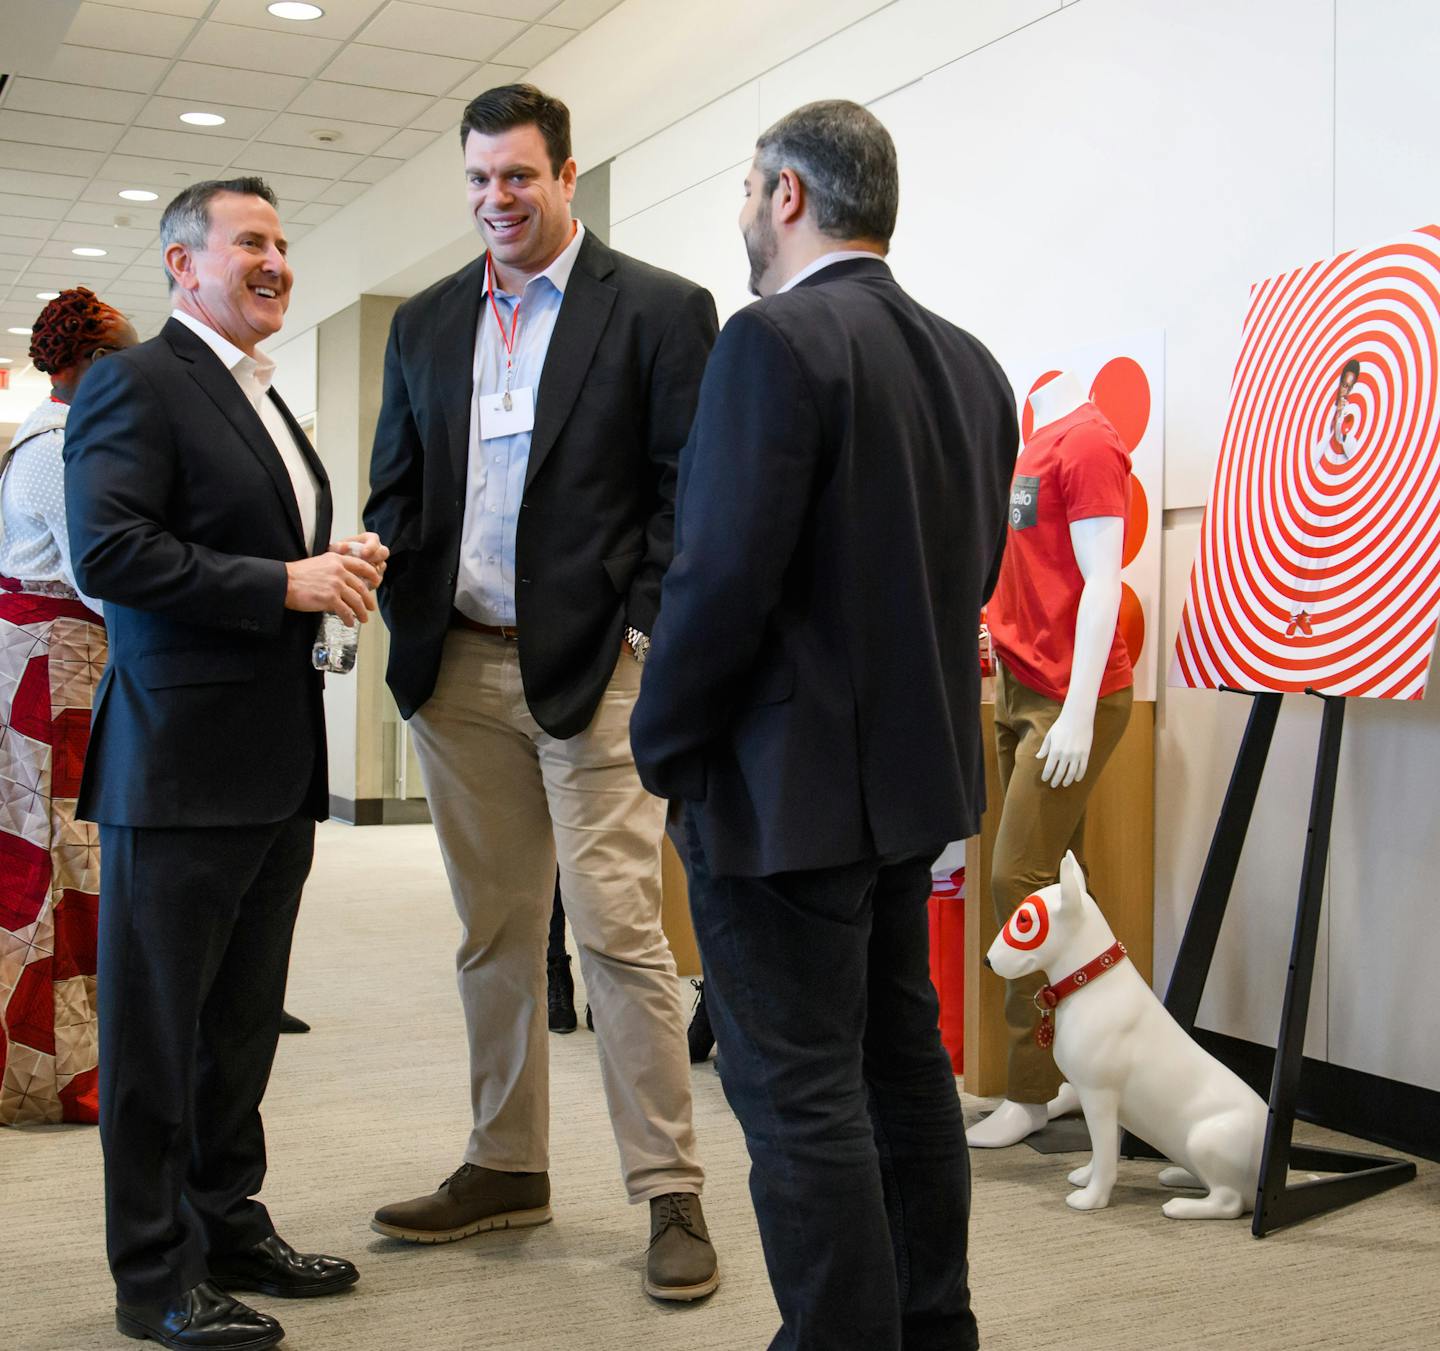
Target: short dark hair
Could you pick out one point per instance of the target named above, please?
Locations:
(846, 160)
(520, 105)
(187, 219)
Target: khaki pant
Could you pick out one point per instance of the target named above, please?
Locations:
(1038, 824)
(507, 800)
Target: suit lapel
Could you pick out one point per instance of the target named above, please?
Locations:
(584, 312)
(324, 505)
(454, 357)
(208, 371)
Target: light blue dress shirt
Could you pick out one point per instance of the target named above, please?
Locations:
(495, 479)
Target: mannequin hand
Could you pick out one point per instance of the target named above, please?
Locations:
(1066, 749)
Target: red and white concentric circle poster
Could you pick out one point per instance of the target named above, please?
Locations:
(1319, 560)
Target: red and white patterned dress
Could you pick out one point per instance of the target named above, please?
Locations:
(52, 653)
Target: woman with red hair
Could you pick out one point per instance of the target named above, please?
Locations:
(52, 651)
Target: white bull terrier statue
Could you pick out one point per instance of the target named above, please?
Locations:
(1128, 1059)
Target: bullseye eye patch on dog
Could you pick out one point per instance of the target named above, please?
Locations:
(1029, 926)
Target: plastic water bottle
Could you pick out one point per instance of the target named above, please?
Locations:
(337, 643)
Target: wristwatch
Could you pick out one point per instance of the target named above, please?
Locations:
(639, 643)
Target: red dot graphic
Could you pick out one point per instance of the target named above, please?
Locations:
(1132, 622)
(1122, 393)
(1136, 523)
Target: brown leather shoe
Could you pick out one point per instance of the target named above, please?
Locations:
(681, 1262)
(471, 1200)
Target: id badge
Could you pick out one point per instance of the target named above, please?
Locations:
(497, 420)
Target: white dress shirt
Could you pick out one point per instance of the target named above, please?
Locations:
(495, 478)
(253, 375)
(825, 260)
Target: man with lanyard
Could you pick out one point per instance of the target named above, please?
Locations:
(534, 408)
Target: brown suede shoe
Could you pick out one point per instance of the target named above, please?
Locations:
(681, 1263)
(471, 1200)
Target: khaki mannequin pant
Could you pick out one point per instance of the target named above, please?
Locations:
(1038, 824)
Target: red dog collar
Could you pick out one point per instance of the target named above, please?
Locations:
(1048, 996)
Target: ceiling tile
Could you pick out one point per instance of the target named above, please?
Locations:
(359, 138)
(72, 100)
(67, 132)
(381, 68)
(524, 10)
(224, 44)
(116, 256)
(373, 170)
(296, 187)
(294, 159)
(27, 227)
(43, 159)
(28, 183)
(490, 76)
(152, 290)
(164, 113)
(444, 116)
(354, 103)
(193, 147)
(107, 236)
(534, 45)
(12, 246)
(110, 70)
(404, 144)
(443, 32)
(340, 20)
(343, 193)
(105, 192)
(165, 176)
(579, 13)
(239, 88)
(298, 231)
(17, 205)
(113, 29)
(112, 212)
(190, 8)
(316, 213)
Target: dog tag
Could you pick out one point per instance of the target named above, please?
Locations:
(1045, 1031)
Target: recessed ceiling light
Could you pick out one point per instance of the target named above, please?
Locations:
(47, 295)
(5, 361)
(89, 253)
(203, 119)
(138, 195)
(19, 332)
(293, 9)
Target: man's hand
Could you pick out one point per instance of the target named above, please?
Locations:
(338, 582)
(366, 546)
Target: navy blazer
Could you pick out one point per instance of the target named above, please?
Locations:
(813, 683)
(615, 401)
(181, 518)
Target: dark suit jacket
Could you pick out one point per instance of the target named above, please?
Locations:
(181, 518)
(813, 683)
(615, 401)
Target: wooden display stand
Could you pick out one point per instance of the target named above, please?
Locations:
(1120, 858)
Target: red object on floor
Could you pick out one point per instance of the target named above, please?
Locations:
(947, 960)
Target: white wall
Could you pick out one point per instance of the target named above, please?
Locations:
(1081, 171)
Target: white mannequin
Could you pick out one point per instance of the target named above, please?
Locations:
(1099, 546)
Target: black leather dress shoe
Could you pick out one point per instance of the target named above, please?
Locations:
(202, 1319)
(273, 1267)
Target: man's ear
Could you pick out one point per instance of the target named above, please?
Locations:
(181, 266)
(788, 199)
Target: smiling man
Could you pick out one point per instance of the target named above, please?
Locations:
(524, 473)
(200, 515)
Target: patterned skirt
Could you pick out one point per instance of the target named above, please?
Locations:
(52, 652)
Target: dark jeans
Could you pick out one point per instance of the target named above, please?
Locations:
(818, 986)
(194, 944)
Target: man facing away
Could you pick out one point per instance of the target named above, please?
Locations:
(196, 507)
(535, 404)
(812, 692)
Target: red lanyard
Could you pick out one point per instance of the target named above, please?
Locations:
(507, 340)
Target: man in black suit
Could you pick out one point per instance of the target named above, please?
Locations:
(534, 408)
(813, 693)
(196, 508)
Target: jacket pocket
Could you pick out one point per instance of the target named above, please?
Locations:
(194, 666)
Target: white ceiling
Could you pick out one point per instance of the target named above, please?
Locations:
(102, 114)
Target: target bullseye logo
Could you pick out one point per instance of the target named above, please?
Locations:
(1319, 558)
(1029, 926)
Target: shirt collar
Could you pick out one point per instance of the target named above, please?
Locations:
(259, 368)
(825, 260)
(558, 273)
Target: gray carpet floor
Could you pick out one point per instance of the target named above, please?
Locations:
(372, 1106)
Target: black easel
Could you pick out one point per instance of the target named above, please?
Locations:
(1357, 1175)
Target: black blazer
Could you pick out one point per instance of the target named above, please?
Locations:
(615, 401)
(181, 518)
(814, 682)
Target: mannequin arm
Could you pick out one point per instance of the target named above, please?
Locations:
(1098, 543)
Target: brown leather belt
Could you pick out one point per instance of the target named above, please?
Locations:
(506, 631)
